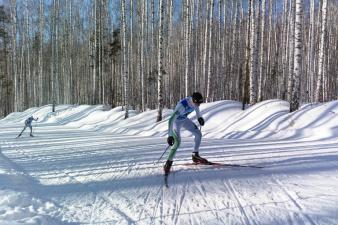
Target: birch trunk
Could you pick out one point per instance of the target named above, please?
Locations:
(142, 94)
(160, 62)
(311, 51)
(262, 63)
(321, 58)
(124, 62)
(186, 44)
(205, 49)
(298, 56)
(246, 75)
(253, 56)
(291, 50)
(14, 57)
(208, 97)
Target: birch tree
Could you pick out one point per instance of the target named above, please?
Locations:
(262, 63)
(186, 44)
(40, 64)
(246, 74)
(208, 97)
(124, 62)
(321, 58)
(311, 51)
(253, 58)
(14, 57)
(205, 39)
(291, 50)
(160, 62)
(298, 56)
(141, 50)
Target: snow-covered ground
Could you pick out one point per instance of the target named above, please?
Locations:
(87, 165)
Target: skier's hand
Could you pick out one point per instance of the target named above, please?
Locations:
(171, 140)
(201, 121)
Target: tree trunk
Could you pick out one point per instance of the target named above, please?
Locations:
(291, 50)
(298, 56)
(253, 58)
(262, 62)
(160, 62)
(321, 58)
(124, 62)
(208, 96)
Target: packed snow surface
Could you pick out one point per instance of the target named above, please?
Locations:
(88, 165)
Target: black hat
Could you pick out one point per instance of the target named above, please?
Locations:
(197, 97)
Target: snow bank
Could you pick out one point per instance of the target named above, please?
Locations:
(224, 119)
(21, 208)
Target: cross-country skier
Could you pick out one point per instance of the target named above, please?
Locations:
(28, 123)
(179, 119)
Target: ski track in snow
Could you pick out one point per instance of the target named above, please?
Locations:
(101, 178)
(182, 203)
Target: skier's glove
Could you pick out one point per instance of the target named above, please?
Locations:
(201, 121)
(170, 140)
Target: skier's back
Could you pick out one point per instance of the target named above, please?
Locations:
(28, 123)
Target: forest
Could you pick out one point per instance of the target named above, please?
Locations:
(147, 54)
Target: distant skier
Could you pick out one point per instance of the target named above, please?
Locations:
(28, 123)
(179, 119)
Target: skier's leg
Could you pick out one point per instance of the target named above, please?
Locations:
(22, 131)
(177, 139)
(191, 126)
(31, 134)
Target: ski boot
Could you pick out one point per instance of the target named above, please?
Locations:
(197, 159)
(167, 167)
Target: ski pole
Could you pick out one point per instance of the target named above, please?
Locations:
(165, 150)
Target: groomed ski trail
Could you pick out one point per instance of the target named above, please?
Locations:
(100, 178)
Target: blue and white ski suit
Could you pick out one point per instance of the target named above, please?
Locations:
(179, 119)
(28, 123)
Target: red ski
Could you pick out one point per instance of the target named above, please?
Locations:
(216, 164)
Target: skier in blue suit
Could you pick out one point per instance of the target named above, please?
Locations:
(28, 123)
(179, 119)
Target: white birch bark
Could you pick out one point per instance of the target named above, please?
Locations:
(124, 62)
(268, 70)
(14, 56)
(71, 49)
(208, 97)
(160, 63)
(130, 54)
(186, 45)
(262, 63)
(253, 64)
(321, 52)
(311, 51)
(28, 78)
(170, 52)
(205, 46)
(143, 4)
(54, 54)
(291, 50)
(285, 50)
(298, 56)
(40, 65)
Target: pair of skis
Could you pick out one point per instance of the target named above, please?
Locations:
(215, 165)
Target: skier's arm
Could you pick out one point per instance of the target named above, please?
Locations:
(198, 113)
(199, 117)
(178, 110)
